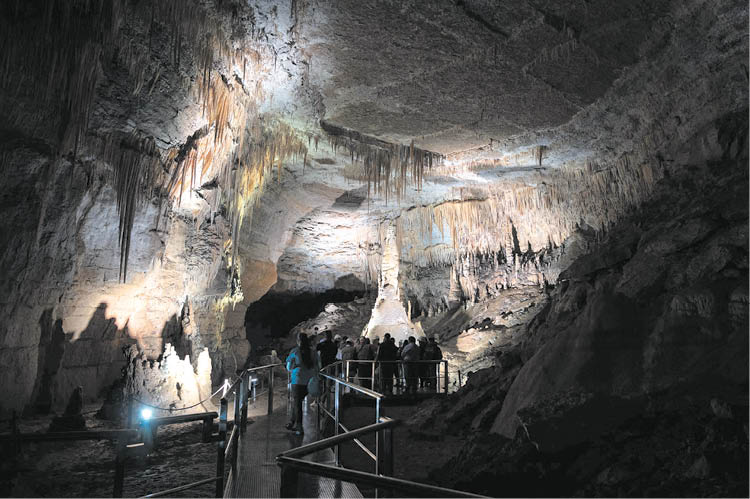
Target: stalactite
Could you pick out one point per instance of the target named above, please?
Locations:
(386, 167)
(541, 213)
(137, 174)
(54, 52)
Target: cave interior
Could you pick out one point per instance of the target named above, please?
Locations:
(556, 191)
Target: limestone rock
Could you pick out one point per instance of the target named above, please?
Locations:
(169, 384)
(72, 419)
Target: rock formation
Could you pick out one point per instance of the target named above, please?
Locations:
(388, 315)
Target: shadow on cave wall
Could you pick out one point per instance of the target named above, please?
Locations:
(95, 360)
(275, 314)
(51, 349)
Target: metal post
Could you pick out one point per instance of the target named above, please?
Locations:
(288, 393)
(336, 403)
(459, 379)
(237, 406)
(289, 481)
(237, 422)
(321, 400)
(222, 442)
(445, 375)
(147, 434)
(129, 416)
(372, 384)
(119, 465)
(243, 400)
(270, 391)
(377, 440)
(385, 455)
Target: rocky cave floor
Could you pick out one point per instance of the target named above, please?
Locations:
(702, 453)
(86, 468)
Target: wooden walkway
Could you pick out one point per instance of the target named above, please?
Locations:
(257, 473)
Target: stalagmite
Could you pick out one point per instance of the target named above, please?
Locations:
(388, 315)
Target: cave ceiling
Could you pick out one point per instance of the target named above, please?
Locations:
(468, 79)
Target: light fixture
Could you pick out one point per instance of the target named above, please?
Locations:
(146, 414)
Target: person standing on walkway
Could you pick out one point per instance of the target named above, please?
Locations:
(386, 355)
(410, 356)
(304, 364)
(348, 352)
(364, 370)
(424, 369)
(432, 352)
(327, 349)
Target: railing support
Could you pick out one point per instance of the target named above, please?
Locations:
(121, 444)
(148, 435)
(445, 376)
(222, 441)
(243, 401)
(289, 482)
(337, 420)
(384, 453)
(237, 418)
(385, 456)
(270, 392)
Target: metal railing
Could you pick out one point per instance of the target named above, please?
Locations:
(292, 465)
(244, 389)
(432, 372)
(120, 437)
(331, 407)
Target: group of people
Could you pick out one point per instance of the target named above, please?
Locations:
(394, 365)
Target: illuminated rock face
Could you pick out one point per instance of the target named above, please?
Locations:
(169, 384)
(388, 315)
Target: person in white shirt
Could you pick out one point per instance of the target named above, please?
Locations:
(410, 355)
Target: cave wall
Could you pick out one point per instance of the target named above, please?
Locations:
(94, 89)
(62, 275)
(660, 308)
(632, 379)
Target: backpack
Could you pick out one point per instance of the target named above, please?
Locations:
(313, 386)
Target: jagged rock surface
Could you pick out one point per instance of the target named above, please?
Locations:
(642, 344)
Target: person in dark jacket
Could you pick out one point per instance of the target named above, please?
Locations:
(387, 353)
(327, 350)
(432, 352)
(364, 369)
(424, 368)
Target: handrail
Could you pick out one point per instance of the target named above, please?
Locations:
(119, 436)
(337, 439)
(69, 435)
(253, 369)
(355, 386)
(228, 441)
(189, 486)
(380, 481)
(291, 459)
(438, 377)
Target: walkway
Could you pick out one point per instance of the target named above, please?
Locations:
(257, 472)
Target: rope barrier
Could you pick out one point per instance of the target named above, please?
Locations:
(170, 409)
